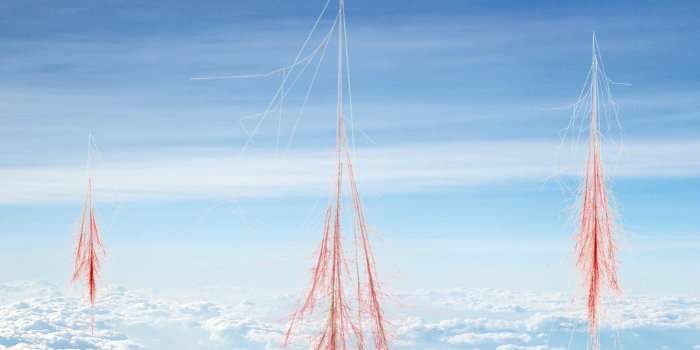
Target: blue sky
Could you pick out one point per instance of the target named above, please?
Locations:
(460, 106)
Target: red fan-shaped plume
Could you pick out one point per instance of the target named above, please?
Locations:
(595, 247)
(332, 276)
(89, 249)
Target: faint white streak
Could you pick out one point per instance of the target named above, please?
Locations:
(407, 169)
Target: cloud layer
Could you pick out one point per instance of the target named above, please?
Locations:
(36, 315)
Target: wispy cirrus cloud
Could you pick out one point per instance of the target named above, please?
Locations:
(221, 173)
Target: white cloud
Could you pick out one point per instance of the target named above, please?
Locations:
(219, 174)
(471, 338)
(427, 319)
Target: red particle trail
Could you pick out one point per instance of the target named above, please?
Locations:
(332, 275)
(595, 247)
(89, 249)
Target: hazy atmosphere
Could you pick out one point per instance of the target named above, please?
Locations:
(211, 214)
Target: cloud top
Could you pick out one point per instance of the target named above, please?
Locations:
(36, 315)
